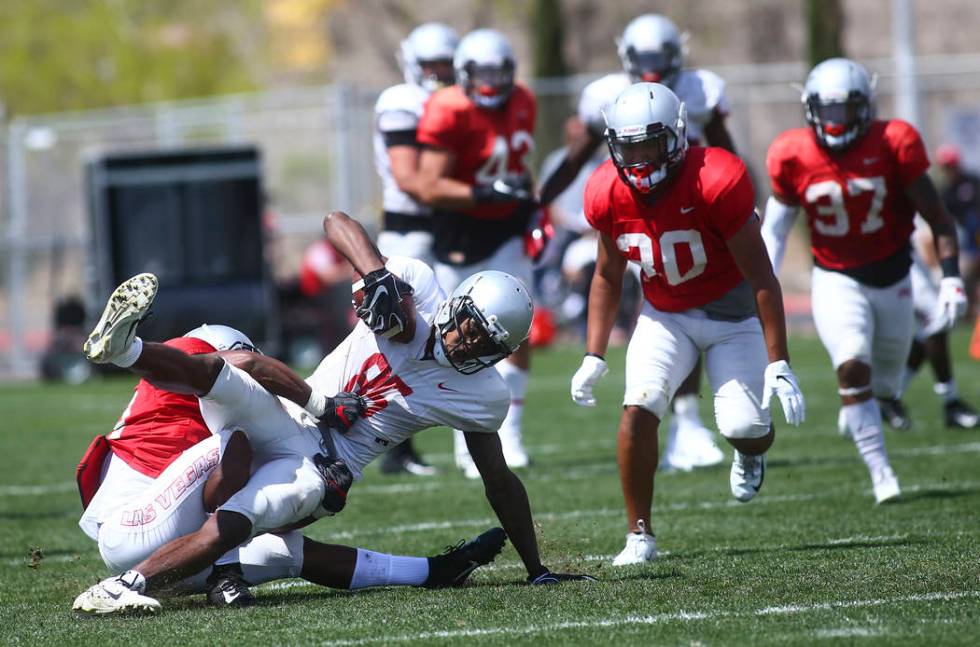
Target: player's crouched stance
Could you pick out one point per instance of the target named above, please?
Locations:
(687, 217)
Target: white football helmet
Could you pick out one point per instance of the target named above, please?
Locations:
(838, 101)
(485, 67)
(223, 337)
(428, 43)
(651, 49)
(502, 309)
(646, 130)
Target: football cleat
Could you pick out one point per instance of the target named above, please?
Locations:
(113, 595)
(403, 459)
(455, 564)
(894, 414)
(885, 485)
(640, 547)
(226, 587)
(960, 415)
(675, 459)
(128, 305)
(748, 473)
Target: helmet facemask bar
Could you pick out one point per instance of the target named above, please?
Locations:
(429, 77)
(493, 337)
(653, 66)
(645, 157)
(839, 123)
(488, 85)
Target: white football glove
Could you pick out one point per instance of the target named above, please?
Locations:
(951, 305)
(585, 378)
(781, 382)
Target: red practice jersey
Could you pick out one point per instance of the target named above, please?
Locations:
(158, 425)
(487, 144)
(680, 240)
(855, 200)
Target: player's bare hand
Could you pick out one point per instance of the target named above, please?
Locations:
(780, 381)
(593, 368)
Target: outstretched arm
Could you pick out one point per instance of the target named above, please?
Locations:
(923, 194)
(349, 238)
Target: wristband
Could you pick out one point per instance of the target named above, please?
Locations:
(317, 404)
(597, 355)
(950, 266)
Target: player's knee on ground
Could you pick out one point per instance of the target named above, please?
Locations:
(232, 472)
(854, 374)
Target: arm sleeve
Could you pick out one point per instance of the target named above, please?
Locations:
(735, 204)
(909, 151)
(439, 124)
(399, 138)
(397, 120)
(778, 221)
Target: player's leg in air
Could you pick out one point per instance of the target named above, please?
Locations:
(934, 346)
(865, 330)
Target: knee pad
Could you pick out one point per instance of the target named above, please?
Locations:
(650, 397)
(748, 423)
(272, 557)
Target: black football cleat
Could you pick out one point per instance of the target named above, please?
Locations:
(403, 459)
(894, 413)
(960, 415)
(226, 587)
(453, 566)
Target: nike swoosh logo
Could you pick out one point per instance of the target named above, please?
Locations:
(229, 596)
(442, 387)
(687, 209)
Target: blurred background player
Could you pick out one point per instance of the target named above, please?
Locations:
(860, 180)
(426, 59)
(960, 189)
(473, 172)
(688, 218)
(652, 49)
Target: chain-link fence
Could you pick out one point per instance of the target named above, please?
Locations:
(316, 150)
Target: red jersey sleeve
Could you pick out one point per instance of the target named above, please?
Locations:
(598, 197)
(779, 169)
(908, 150)
(734, 202)
(439, 124)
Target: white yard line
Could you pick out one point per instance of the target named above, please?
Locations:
(660, 618)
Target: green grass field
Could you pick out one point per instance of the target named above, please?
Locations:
(811, 560)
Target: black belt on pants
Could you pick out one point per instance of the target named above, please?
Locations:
(403, 223)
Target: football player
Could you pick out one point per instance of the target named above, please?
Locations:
(860, 181)
(651, 48)
(417, 360)
(687, 217)
(426, 59)
(476, 137)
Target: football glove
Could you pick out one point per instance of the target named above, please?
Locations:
(381, 307)
(338, 478)
(537, 235)
(589, 373)
(503, 190)
(343, 410)
(557, 578)
(780, 381)
(951, 305)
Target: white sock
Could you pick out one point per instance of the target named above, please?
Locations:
(864, 423)
(133, 580)
(946, 390)
(380, 569)
(516, 379)
(686, 411)
(130, 355)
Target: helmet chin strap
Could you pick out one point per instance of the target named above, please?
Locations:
(439, 351)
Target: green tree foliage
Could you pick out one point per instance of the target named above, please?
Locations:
(825, 28)
(65, 55)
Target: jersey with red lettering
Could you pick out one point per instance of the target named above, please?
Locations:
(407, 391)
(680, 239)
(855, 200)
(157, 425)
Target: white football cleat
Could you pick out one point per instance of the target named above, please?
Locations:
(113, 596)
(747, 475)
(640, 547)
(127, 306)
(514, 452)
(885, 485)
(675, 458)
(701, 446)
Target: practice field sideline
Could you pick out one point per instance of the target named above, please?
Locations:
(811, 560)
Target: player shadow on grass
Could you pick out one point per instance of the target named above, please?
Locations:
(934, 493)
(830, 545)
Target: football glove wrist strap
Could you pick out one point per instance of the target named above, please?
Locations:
(597, 355)
(950, 266)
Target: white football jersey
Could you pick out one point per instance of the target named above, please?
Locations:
(702, 92)
(398, 108)
(406, 392)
